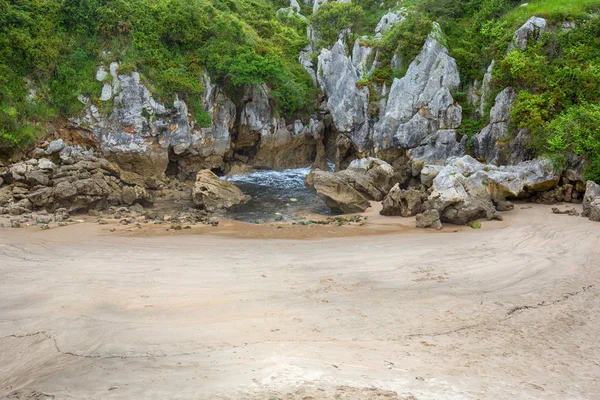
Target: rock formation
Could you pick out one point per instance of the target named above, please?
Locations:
(350, 190)
(420, 103)
(532, 29)
(464, 190)
(69, 177)
(347, 103)
(406, 203)
(144, 136)
(591, 201)
(429, 219)
(212, 194)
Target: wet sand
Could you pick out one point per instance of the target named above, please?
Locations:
(243, 311)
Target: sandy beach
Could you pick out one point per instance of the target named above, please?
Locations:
(379, 311)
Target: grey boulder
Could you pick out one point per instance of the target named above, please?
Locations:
(464, 190)
(406, 203)
(591, 201)
(429, 219)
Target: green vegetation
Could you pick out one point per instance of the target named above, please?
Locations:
(331, 18)
(55, 46)
(557, 78)
(58, 44)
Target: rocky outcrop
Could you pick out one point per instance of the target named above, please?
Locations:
(464, 190)
(347, 103)
(69, 177)
(591, 201)
(213, 194)
(439, 147)
(532, 29)
(419, 113)
(421, 103)
(388, 21)
(490, 143)
(144, 136)
(289, 146)
(406, 203)
(207, 147)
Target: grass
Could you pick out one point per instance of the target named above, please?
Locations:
(553, 10)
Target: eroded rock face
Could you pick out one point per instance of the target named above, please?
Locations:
(207, 147)
(406, 203)
(439, 147)
(591, 201)
(146, 137)
(348, 104)
(213, 194)
(74, 179)
(464, 190)
(289, 146)
(420, 103)
(490, 143)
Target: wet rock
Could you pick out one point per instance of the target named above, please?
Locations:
(429, 219)
(281, 147)
(406, 203)
(213, 194)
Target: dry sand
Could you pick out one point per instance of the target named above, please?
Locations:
(381, 311)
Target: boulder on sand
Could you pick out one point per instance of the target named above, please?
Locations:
(350, 190)
(464, 190)
(337, 193)
(591, 201)
(212, 193)
(429, 219)
(406, 203)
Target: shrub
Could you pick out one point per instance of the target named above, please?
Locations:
(575, 131)
(331, 18)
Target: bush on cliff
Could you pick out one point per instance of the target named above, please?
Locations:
(58, 44)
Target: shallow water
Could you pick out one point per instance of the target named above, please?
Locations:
(276, 195)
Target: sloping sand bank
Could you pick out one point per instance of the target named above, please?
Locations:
(511, 311)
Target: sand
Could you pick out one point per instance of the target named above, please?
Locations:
(378, 311)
